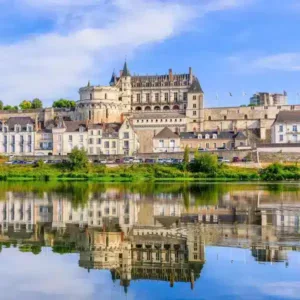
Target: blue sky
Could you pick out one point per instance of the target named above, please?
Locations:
(50, 48)
(54, 276)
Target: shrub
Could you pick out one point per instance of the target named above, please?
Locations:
(205, 163)
(78, 159)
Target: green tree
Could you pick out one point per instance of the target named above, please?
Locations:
(64, 103)
(9, 107)
(204, 162)
(25, 104)
(186, 155)
(36, 103)
(1, 105)
(78, 159)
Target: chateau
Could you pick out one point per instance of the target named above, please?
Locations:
(145, 105)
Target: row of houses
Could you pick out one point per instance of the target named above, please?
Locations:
(24, 136)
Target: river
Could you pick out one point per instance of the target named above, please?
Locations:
(63, 240)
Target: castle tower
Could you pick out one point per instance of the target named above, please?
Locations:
(195, 107)
(125, 87)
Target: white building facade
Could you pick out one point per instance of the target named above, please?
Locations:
(286, 128)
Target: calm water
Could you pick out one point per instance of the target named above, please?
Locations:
(149, 241)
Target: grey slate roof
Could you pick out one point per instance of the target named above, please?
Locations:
(195, 86)
(125, 70)
(166, 133)
(113, 79)
(23, 121)
(222, 135)
(288, 117)
(73, 126)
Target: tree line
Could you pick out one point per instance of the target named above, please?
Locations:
(36, 103)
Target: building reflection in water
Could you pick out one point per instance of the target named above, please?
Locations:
(158, 237)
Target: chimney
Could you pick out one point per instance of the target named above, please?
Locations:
(170, 75)
(121, 72)
(190, 75)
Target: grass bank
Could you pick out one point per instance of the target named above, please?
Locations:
(144, 172)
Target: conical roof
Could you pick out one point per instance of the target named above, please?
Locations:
(125, 70)
(195, 86)
(113, 79)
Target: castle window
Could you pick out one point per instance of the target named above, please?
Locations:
(166, 108)
(156, 97)
(138, 84)
(105, 96)
(91, 96)
(176, 107)
(266, 116)
(225, 117)
(138, 108)
(194, 106)
(138, 98)
(209, 118)
(185, 96)
(166, 97)
(214, 136)
(148, 108)
(194, 97)
(207, 136)
(175, 120)
(246, 117)
(90, 115)
(147, 97)
(175, 97)
(194, 113)
(148, 84)
(194, 121)
(199, 136)
(156, 108)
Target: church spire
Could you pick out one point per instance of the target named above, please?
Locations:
(125, 70)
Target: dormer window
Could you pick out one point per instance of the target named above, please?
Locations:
(207, 136)
(199, 136)
(81, 129)
(29, 128)
(215, 136)
(5, 128)
(17, 128)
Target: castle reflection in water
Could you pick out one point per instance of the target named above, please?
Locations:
(153, 236)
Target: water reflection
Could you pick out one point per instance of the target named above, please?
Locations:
(157, 232)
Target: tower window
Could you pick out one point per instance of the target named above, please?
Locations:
(209, 118)
(91, 96)
(194, 97)
(246, 117)
(105, 96)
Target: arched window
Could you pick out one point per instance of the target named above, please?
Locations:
(156, 108)
(166, 107)
(138, 108)
(147, 108)
(225, 117)
(90, 115)
(209, 118)
(176, 107)
(105, 96)
(246, 117)
(91, 96)
(266, 116)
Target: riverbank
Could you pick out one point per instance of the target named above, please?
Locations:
(146, 172)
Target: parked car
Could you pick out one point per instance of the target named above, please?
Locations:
(150, 160)
(30, 162)
(128, 160)
(103, 161)
(236, 159)
(223, 160)
(137, 160)
(118, 161)
(201, 149)
(246, 159)
(8, 163)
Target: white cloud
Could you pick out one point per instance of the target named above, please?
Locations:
(289, 62)
(88, 36)
(285, 290)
